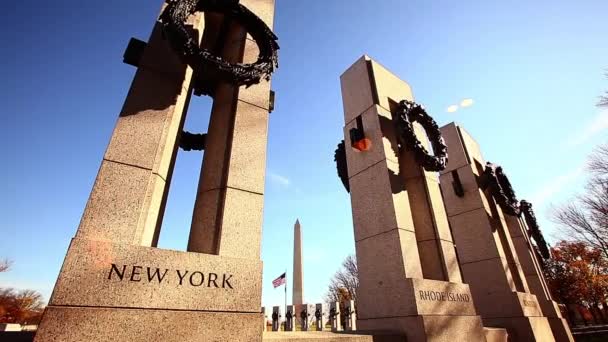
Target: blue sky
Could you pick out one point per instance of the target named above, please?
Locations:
(534, 70)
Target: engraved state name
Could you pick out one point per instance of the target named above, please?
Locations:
(135, 273)
(444, 296)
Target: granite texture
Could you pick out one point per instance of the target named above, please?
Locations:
(389, 87)
(523, 328)
(496, 334)
(433, 328)
(123, 206)
(375, 121)
(357, 92)
(471, 199)
(82, 324)
(238, 235)
(156, 279)
(376, 208)
(457, 153)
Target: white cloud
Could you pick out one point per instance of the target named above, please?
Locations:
(452, 109)
(466, 103)
(595, 126)
(554, 186)
(279, 180)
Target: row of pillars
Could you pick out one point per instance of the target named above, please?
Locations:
(316, 314)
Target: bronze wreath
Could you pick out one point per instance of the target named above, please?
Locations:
(341, 166)
(537, 235)
(500, 187)
(174, 18)
(409, 112)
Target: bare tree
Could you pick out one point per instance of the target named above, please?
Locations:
(604, 99)
(586, 217)
(5, 265)
(343, 286)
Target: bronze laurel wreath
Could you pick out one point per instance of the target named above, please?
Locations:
(528, 213)
(340, 159)
(174, 26)
(409, 112)
(500, 187)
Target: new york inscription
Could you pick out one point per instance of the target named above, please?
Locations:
(136, 273)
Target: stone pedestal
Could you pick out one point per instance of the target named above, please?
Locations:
(334, 316)
(487, 256)
(290, 318)
(114, 284)
(409, 278)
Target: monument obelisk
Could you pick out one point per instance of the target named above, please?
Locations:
(298, 293)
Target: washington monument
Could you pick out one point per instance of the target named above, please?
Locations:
(298, 294)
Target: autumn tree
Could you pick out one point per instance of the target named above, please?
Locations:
(577, 273)
(343, 286)
(586, 217)
(23, 307)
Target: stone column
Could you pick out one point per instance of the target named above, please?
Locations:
(227, 218)
(535, 279)
(334, 316)
(128, 198)
(298, 291)
(112, 275)
(487, 256)
(402, 238)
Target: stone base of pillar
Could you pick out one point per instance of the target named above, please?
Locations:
(422, 310)
(428, 328)
(523, 328)
(496, 335)
(113, 292)
(518, 312)
(68, 324)
(561, 329)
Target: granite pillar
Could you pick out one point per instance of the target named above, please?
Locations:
(319, 314)
(334, 316)
(276, 318)
(289, 318)
(486, 251)
(114, 284)
(227, 217)
(409, 279)
(535, 279)
(350, 315)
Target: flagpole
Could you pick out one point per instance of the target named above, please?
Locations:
(285, 298)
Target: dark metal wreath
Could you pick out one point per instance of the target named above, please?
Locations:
(340, 159)
(537, 235)
(174, 25)
(191, 141)
(500, 187)
(409, 112)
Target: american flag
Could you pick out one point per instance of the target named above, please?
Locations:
(279, 281)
